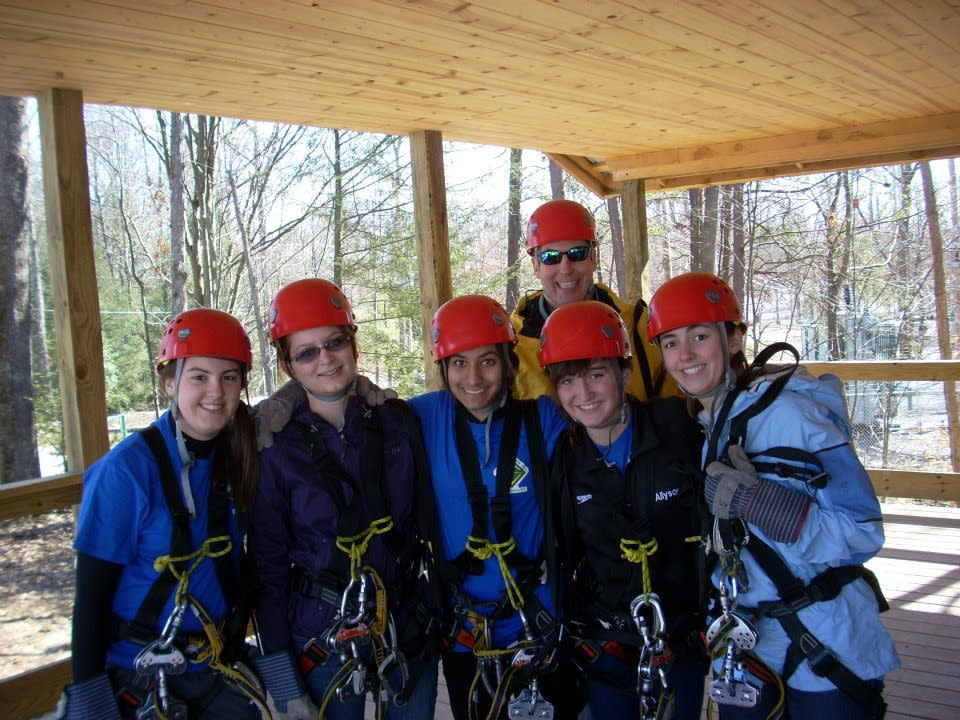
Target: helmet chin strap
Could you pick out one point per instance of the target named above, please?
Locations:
(622, 416)
(186, 457)
(489, 410)
(334, 397)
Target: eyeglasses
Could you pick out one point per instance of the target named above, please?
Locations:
(555, 257)
(312, 353)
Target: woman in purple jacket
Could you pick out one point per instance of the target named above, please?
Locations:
(333, 535)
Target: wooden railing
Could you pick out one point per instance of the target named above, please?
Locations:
(36, 691)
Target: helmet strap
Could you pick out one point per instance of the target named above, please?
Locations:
(730, 375)
(335, 397)
(186, 457)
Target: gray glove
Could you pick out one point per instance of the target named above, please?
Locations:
(282, 681)
(274, 412)
(91, 699)
(737, 492)
(372, 394)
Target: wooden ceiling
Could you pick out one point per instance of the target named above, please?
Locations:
(678, 92)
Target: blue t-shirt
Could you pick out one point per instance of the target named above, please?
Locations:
(124, 519)
(617, 454)
(437, 415)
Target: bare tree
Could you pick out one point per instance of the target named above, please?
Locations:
(943, 324)
(18, 450)
(695, 196)
(708, 229)
(556, 181)
(737, 267)
(514, 189)
(178, 273)
(616, 235)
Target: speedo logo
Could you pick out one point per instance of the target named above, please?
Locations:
(666, 494)
(581, 499)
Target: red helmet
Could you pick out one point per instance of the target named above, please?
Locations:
(559, 221)
(309, 303)
(583, 330)
(467, 322)
(205, 332)
(690, 299)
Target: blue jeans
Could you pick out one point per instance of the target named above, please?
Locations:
(827, 705)
(419, 706)
(615, 695)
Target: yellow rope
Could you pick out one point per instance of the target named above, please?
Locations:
(356, 545)
(210, 655)
(483, 549)
(640, 552)
(168, 562)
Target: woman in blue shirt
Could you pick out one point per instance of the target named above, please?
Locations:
(796, 518)
(161, 609)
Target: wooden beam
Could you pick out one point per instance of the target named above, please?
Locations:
(433, 241)
(73, 277)
(913, 484)
(34, 692)
(635, 248)
(40, 495)
(585, 171)
(892, 136)
(805, 168)
(888, 370)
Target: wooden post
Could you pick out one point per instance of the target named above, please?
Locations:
(433, 241)
(635, 247)
(73, 277)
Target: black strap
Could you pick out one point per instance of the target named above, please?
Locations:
(639, 351)
(335, 476)
(738, 425)
(804, 645)
(528, 570)
(181, 544)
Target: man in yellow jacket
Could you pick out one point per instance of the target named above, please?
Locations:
(562, 244)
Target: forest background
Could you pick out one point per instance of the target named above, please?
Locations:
(194, 210)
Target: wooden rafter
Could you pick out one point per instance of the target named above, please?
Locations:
(889, 138)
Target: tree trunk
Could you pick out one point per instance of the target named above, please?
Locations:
(514, 188)
(178, 273)
(696, 223)
(723, 265)
(337, 211)
(833, 278)
(18, 446)
(708, 229)
(616, 233)
(254, 291)
(943, 324)
(556, 181)
(738, 265)
(39, 306)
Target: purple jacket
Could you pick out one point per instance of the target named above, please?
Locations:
(295, 520)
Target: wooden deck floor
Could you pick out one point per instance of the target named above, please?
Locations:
(919, 570)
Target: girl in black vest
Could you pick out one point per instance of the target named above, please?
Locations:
(628, 485)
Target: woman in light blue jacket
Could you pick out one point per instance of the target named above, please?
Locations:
(798, 633)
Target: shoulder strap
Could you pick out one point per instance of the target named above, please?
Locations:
(639, 351)
(181, 543)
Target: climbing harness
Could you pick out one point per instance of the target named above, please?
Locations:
(364, 616)
(168, 655)
(508, 675)
(732, 634)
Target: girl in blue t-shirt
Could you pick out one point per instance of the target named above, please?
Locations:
(161, 608)
(627, 484)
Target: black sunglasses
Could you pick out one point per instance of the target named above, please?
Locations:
(555, 257)
(309, 354)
